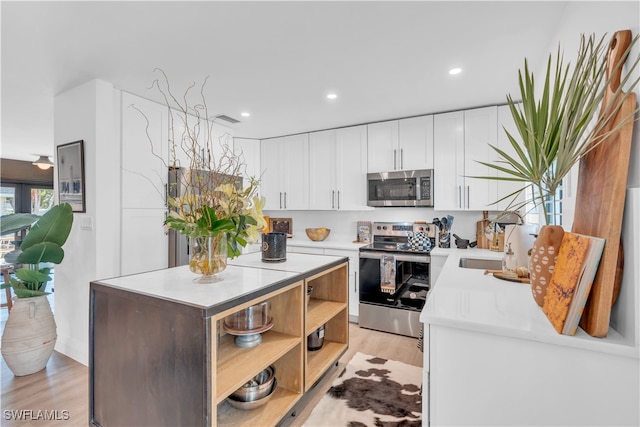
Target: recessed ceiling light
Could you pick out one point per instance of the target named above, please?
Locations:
(332, 96)
(245, 114)
(455, 71)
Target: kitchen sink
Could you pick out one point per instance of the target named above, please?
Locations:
(481, 264)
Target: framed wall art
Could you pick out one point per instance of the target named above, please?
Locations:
(71, 182)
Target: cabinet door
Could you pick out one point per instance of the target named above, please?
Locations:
(448, 131)
(322, 170)
(354, 297)
(351, 168)
(296, 169)
(144, 242)
(480, 130)
(271, 164)
(382, 146)
(248, 150)
(505, 122)
(144, 153)
(415, 143)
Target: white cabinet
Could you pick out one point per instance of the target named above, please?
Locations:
(144, 176)
(461, 141)
(354, 297)
(448, 136)
(144, 153)
(322, 170)
(382, 146)
(415, 141)
(338, 168)
(248, 150)
(144, 242)
(404, 144)
(505, 122)
(497, 379)
(285, 172)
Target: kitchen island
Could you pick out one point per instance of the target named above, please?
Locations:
(159, 354)
(492, 358)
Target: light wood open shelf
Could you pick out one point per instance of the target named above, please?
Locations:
(320, 360)
(320, 312)
(279, 404)
(233, 361)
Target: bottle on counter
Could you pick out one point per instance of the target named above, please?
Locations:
(509, 261)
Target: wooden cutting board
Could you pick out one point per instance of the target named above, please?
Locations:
(601, 192)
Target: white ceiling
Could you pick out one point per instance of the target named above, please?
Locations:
(276, 60)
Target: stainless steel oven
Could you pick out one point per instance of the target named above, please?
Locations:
(400, 188)
(395, 277)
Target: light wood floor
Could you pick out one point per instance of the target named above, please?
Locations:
(63, 385)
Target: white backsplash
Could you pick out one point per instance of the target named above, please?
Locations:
(343, 223)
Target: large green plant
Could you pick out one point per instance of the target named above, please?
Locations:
(560, 127)
(43, 244)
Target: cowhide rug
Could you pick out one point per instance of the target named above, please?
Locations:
(372, 392)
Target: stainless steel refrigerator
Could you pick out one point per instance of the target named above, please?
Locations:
(177, 180)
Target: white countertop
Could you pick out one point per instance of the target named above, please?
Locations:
(465, 298)
(243, 276)
(295, 263)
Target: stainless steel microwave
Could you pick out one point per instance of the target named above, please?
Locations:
(400, 188)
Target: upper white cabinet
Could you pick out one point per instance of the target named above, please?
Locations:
(144, 153)
(401, 144)
(338, 168)
(285, 172)
(462, 140)
(382, 146)
(505, 122)
(416, 143)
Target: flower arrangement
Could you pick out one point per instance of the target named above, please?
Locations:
(225, 209)
(212, 208)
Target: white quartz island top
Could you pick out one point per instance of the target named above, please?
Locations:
(468, 299)
(244, 277)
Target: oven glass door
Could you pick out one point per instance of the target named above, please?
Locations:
(409, 274)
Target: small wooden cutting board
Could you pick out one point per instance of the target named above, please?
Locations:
(512, 277)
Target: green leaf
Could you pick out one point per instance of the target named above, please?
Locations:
(54, 227)
(10, 224)
(32, 276)
(42, 252)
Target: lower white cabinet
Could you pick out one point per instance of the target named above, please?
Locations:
(506, 381)
(144, 242)
(354, 297)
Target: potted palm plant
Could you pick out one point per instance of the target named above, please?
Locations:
(556, 128)
(30, 332)
(560, 125)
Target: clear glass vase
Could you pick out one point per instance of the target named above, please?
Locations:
(207, 257)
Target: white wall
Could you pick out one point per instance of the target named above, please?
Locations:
(87, 113)
(598, 18)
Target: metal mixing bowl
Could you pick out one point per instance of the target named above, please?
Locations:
(257, 387)
(238, 404)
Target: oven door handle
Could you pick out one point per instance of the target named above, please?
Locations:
(399, 257)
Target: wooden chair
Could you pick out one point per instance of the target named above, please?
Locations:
(5, 276)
